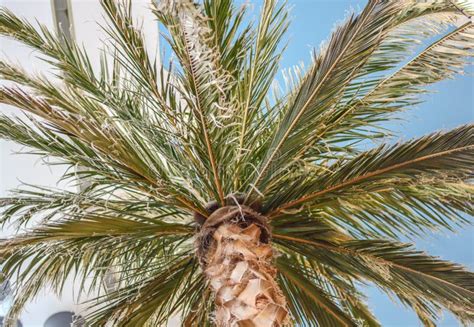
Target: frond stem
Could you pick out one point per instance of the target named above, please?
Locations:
(375, 173)
(204, 127)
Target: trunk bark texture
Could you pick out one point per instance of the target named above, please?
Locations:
(238, 260)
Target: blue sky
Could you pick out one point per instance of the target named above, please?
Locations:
(451, 106)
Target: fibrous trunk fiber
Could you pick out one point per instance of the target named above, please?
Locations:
(238, 261)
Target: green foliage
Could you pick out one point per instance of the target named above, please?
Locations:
(155, 143)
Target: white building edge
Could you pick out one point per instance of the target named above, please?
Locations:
(49, 310)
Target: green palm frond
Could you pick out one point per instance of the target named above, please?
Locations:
(322, 287)
(394, 92)
(260, 71)
(330, 72)
(420, 281)
(64, 107)
(310, 303)
(203, 82)
(83, 245)
(397, 35)
(171, 286)
(26, 202)
(156, 143)
(410, 172)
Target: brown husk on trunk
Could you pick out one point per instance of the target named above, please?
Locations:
(234, 249)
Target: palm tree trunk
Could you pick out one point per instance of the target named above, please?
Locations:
(238, 260)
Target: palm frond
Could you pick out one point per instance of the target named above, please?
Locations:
(320, 88)
(65, 56)
(151, 300)
(34, 202)
(423, 282)
(231, 35)
(403, 88)
(324, 131)
(261, 68)
(411, 171)
(94, 135)
(98, 168)
(202, 84)
(310, 304)
(342, 292)
(85, 117)
(50, 255)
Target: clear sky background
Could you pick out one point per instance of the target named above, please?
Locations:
(452, 105)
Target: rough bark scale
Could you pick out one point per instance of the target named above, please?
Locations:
(238, 260)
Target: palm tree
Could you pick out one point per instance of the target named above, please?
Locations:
(218, 196)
